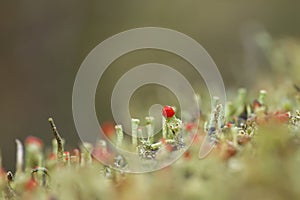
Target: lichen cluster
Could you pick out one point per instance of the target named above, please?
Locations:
(251, 151)
(246, 149)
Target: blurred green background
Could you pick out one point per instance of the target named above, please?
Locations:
(42, 44)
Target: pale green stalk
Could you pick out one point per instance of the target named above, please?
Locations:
(119, 133)
(262, 96)
(134, 127)
(150, 128)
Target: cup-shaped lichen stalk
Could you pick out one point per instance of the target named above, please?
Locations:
(86, 150)
(67, 158)
(20, 157)
(211, 122)
(259, 105)
(262, 96)
(219, 118)
(134, 131)
(34, 156)
(119, 133)
(241, 101)
(75, 158)
(164, 128)
(213, 131)
(150, 129)
(230, 110)
(168, 112)
(59, 140)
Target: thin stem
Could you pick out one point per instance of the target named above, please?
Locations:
(60, 148)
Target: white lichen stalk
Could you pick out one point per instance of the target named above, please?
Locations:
(134, 131)
(164, 128)
(86, 157)
(119, 133)
(20, 157)
(150, 128)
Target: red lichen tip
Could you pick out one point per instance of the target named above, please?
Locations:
(67, 155)
(31, 184)
(256, 104)
(33, 140)
(163, 140)
(52, 156)
(190, 126)
(108, 129)
(168, 112)
(187, 155)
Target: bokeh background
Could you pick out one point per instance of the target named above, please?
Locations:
(42, 44)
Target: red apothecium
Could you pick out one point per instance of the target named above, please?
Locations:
(168, 112)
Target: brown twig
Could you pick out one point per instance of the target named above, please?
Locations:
(60, 148)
